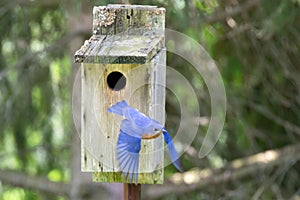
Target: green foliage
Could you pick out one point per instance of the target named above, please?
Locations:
(34, 97)
(258, 56)
(15, 193)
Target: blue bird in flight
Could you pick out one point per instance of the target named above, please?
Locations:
(134, 127)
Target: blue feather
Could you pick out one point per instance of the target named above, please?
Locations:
(129, 128)
(172, 151)
(128, 148)
(118, 108)
(138, 118)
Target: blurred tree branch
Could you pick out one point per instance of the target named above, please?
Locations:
(192, 180)
(20, 179)
(8, 5)
(218, 15)
(91, 191)
(33, 55)
(125, 1)
(197, 179)
(278, 120)
(41, 3)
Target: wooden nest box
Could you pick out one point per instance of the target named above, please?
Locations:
(125, 58)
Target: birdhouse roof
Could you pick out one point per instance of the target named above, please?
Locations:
(119, 49)
(124, 34)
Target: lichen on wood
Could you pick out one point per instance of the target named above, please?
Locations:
(115, 19)
(103, 16)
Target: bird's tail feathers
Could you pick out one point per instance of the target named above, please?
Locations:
(172, 151)
(118, 107)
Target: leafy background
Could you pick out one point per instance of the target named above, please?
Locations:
(256, 46)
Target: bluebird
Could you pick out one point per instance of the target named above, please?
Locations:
(134, 127)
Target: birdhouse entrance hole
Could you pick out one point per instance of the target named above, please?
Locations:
(116, 81)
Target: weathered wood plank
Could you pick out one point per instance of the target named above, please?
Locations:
(122, 50)
(115, 19)
(82, 53)
(100, 129)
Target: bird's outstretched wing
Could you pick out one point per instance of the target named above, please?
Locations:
(128, 149)
(136, 117)
(172, 151)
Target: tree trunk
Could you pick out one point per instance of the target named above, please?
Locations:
(80, 22)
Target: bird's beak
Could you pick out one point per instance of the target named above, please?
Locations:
(147, 136)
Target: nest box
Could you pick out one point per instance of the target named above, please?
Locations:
(125, 58)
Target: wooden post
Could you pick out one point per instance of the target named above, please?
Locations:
(132, 191)
(124, 59)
